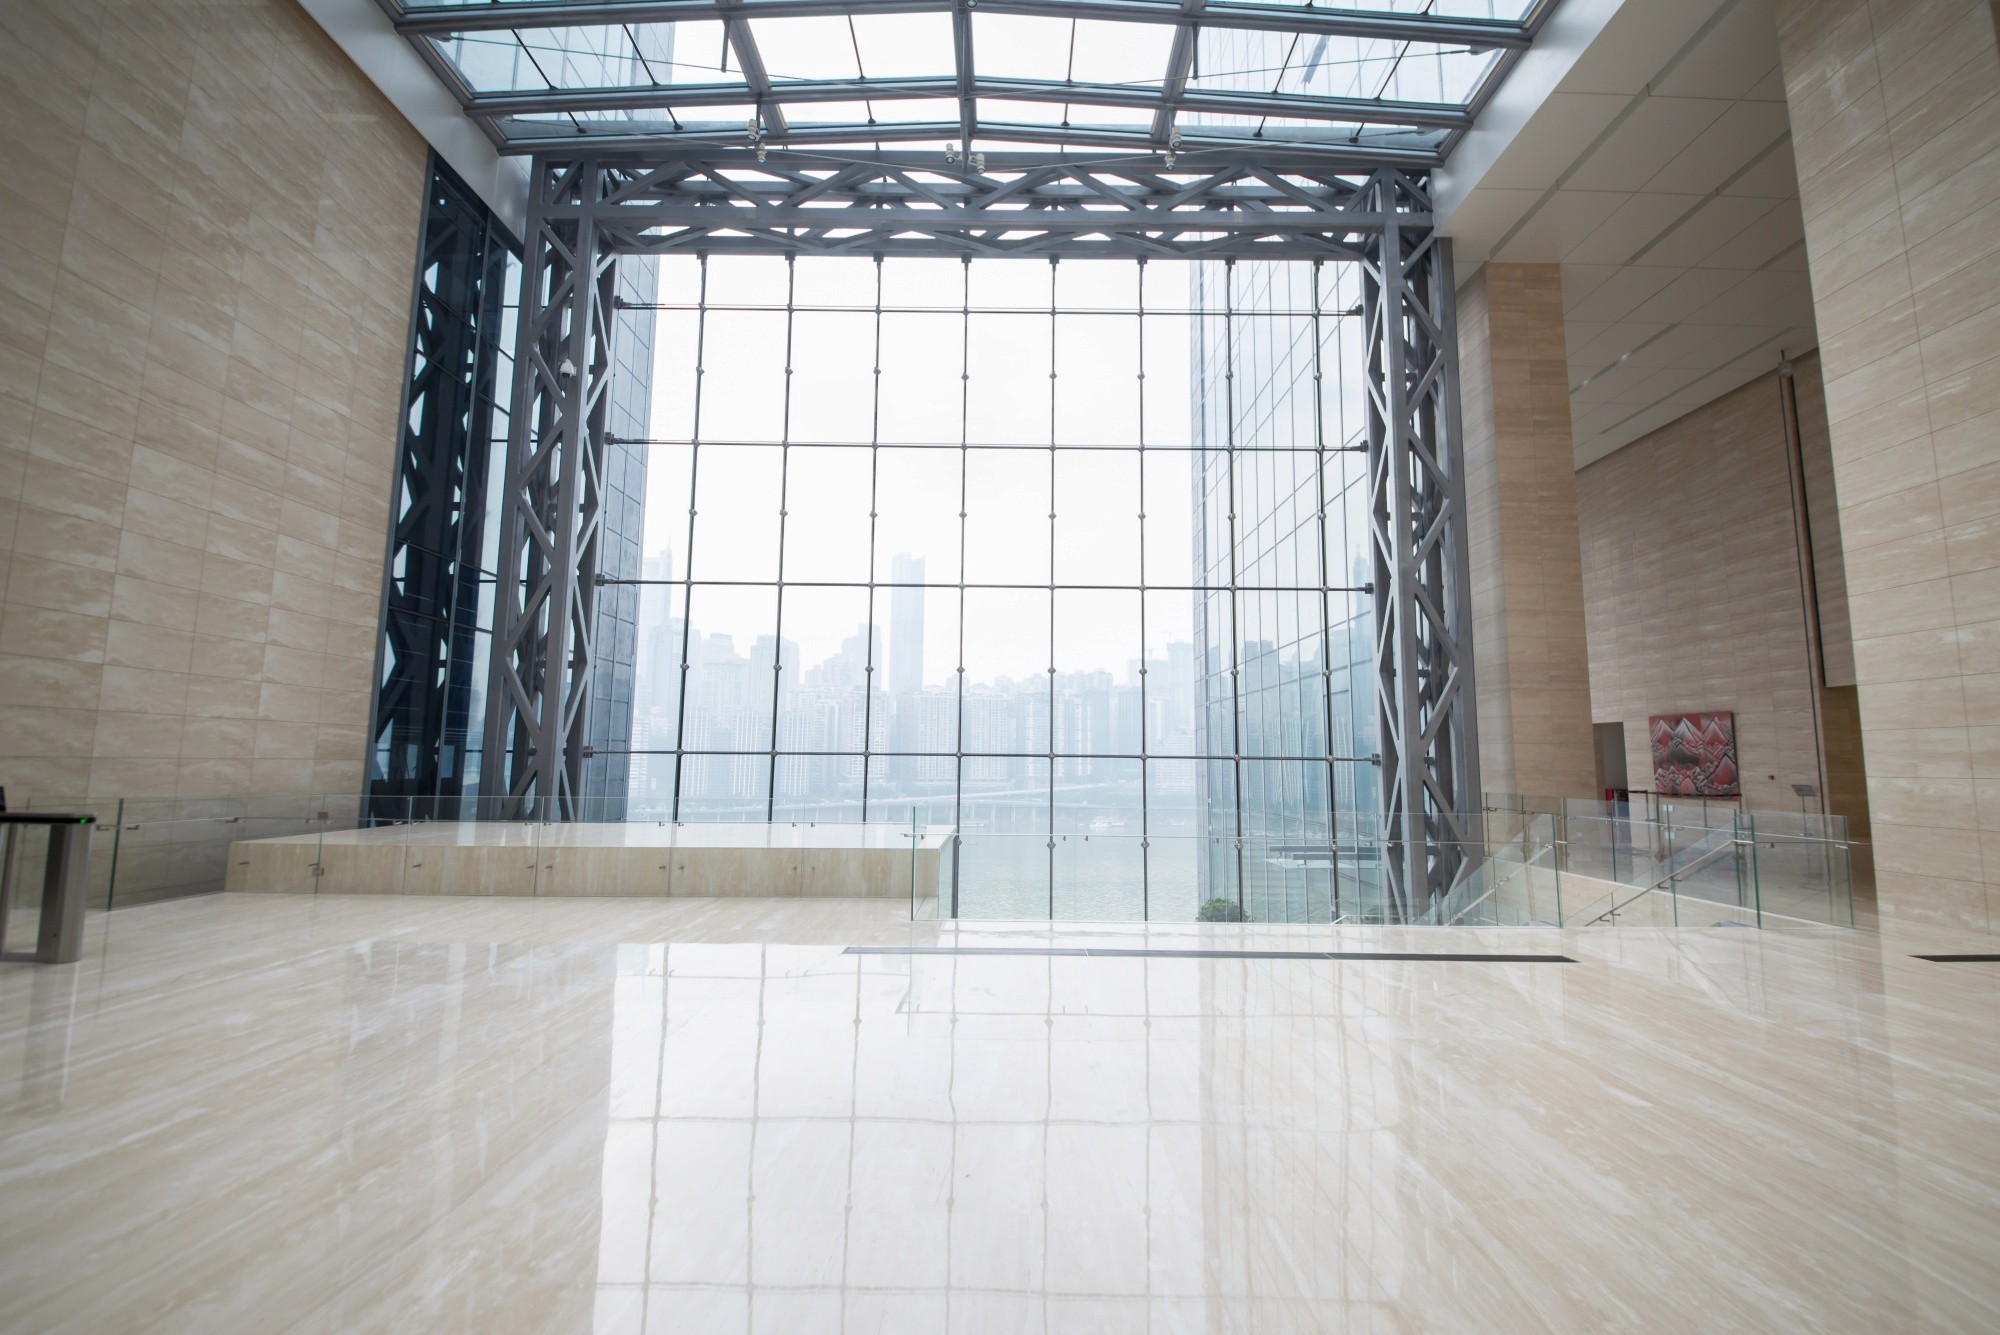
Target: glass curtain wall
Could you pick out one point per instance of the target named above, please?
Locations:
(1283, 640)
(437, 616)
(952, 541)
(620, 552)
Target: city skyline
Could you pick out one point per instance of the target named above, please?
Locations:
(824, 720)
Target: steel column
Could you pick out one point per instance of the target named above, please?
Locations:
(1423, 623)
(538, 699)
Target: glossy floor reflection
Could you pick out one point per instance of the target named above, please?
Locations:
(294, 1114)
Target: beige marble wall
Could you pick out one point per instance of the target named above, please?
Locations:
(536, 860)
(211, 222)
(1527, 578)
(1694, 598)
(1895, 111)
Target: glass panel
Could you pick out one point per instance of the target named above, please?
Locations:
(826, 519)
(1097, 652)
(1006, 675)
(730, 658)
(827, 664)
(918, 629)
(656, 692)
(669, 473)
(725, 787)
(1098, 872)
(833, 382)
(736, 519)
(1168, 484)
(1218, 862)
(747, 280)
(1004, 860)
(1007, 516)
(933, 284)
(896, 46)
(600, 56)
(844, 283)
(1002, 284)
(1014, 46)
(917, 494)
(824, 705)
(1097, 517)
(1172, 696)
(1006, 111)
(1008, 394)
(922, 395)
(861, 116)
(1281, 678)
(806, 48)
(1086, 285)
(743, 371)
(1097, 390)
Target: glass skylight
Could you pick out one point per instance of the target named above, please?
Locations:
(1400, 78)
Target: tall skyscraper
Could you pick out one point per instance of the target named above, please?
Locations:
(906, 625)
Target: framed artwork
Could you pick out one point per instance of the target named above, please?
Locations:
(1694, 755)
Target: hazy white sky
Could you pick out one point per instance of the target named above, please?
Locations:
(1096, 396)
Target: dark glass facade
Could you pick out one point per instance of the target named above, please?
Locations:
(437, 613)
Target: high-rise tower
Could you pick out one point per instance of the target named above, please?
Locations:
(906, 625)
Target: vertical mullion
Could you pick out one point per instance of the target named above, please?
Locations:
(868, 630)
(1145, 763)
(1325, 598)
(784, 510)
(1051, 738)
(694, 504)
(964, 457)
(1235, 598)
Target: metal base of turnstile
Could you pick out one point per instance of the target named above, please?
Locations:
(65, 881)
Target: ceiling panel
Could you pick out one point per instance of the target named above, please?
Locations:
(1580, 280)
(1773, 176)
(1765, 241)
(1730, 144)
(1763, 298)
(1558, 225)
(1679, 234)
(1594, 345)
(1649, 138)
(1732, 60)
(1689, 291)
(1619, 295)
(1692, 239)
(1629, 227)
(1638, 40)
(1535, 161)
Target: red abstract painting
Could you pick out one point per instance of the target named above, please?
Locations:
(1694, 755)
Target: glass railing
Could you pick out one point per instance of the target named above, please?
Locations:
(1519, 861)
(1690, 861)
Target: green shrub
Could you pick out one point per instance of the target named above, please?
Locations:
(1220, 910)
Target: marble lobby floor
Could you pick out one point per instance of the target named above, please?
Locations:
(274, 1113)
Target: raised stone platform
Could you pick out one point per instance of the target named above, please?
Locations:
(599, 859)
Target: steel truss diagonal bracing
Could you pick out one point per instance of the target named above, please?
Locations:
(585, 213)
(551, 519)
(1030, 205)
(1422, 584)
